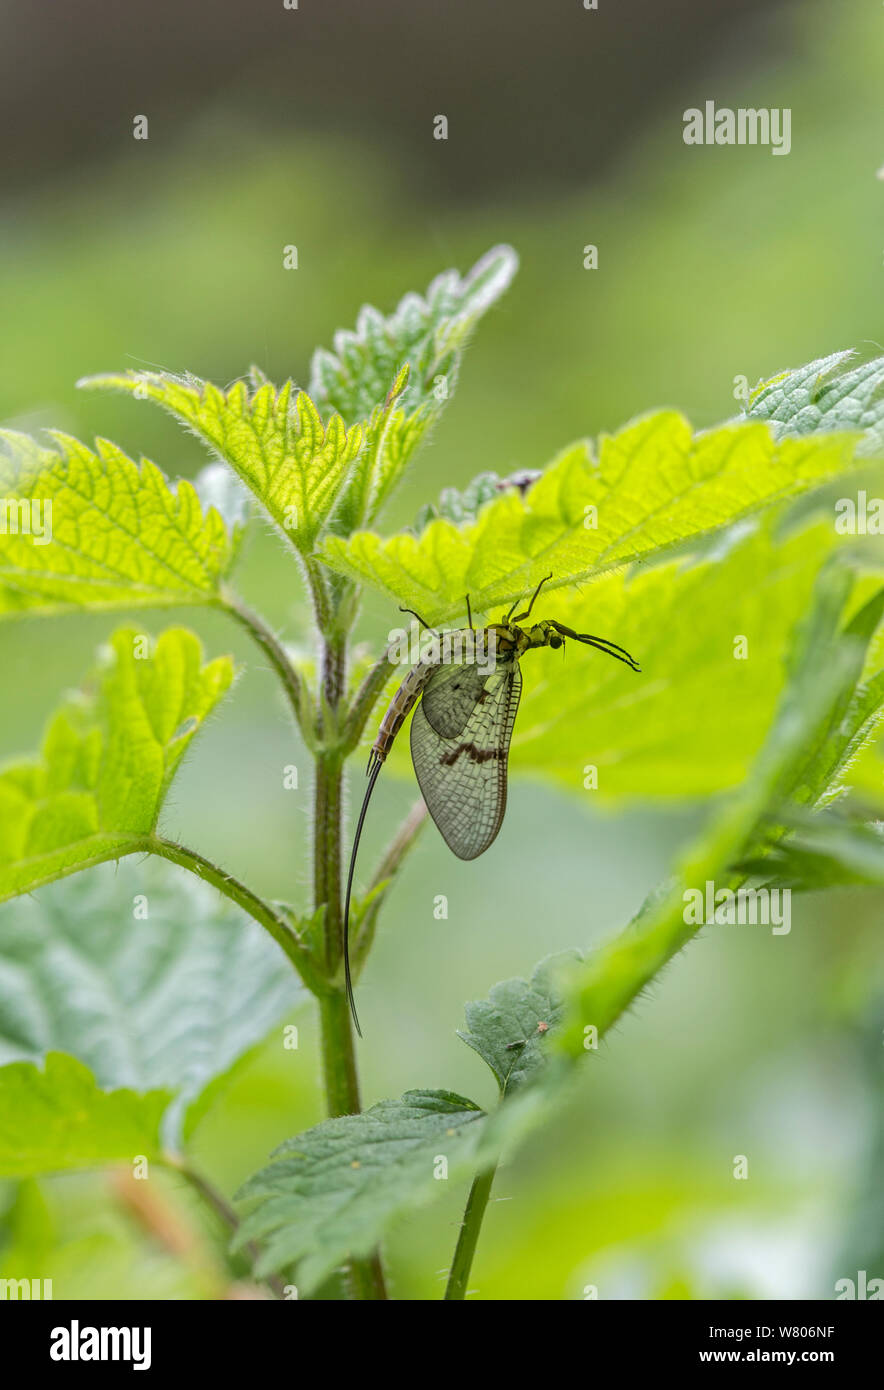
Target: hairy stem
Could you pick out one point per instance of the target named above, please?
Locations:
(318, 583)
(222, 1208)
(365, 700)
(469, 1234)
(364, 1277)
(367, 1278)
(327, 853)
(340, 1077)
(282, 931)
(272, 648)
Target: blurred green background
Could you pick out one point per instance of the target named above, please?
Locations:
(270, 127)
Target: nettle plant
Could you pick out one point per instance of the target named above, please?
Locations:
(119, 1024)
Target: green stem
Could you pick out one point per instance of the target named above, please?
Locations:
(213, 1199)
(365, 1277)
(327, 853)
(365, 700)
(272, 648)
(339, 1074)
(318, 580)
(469, 1234)
(282, 931)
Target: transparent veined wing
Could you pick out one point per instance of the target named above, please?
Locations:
(451, 694)
(463, 779)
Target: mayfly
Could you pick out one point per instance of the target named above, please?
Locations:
(461, 730)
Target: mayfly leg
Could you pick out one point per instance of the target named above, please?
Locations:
(421, 620)
(527, 613)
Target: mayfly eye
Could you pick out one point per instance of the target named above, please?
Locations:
(555, 641)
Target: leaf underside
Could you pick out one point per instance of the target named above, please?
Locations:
(655, 486)
(107, 760)
(334, 1189)
(147, 976)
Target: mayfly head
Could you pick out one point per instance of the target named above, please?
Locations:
(549, 633)
(543, 634)
(557, 631)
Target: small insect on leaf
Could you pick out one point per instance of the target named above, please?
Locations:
(468, 685)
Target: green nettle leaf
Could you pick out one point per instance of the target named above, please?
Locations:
(509, 1030)
(274, 440)
(819, 396)
(84, 529)
(392, 437)
(654, 487)
(712, 639)
(711, 636)
(397, 373)
(107, 761)
(824, 851)
(422, 331)
(825, 662)
(855, 720)
(332, 1191)
(821, 850)
(146, 975)
(59, 1118)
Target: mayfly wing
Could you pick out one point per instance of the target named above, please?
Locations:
(463, 778)
(450, 696)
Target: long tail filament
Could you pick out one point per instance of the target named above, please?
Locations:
(375, 763)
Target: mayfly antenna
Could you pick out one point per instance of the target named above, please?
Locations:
(601, 644)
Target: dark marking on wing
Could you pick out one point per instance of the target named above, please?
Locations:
(478, 755)
(463, 779)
